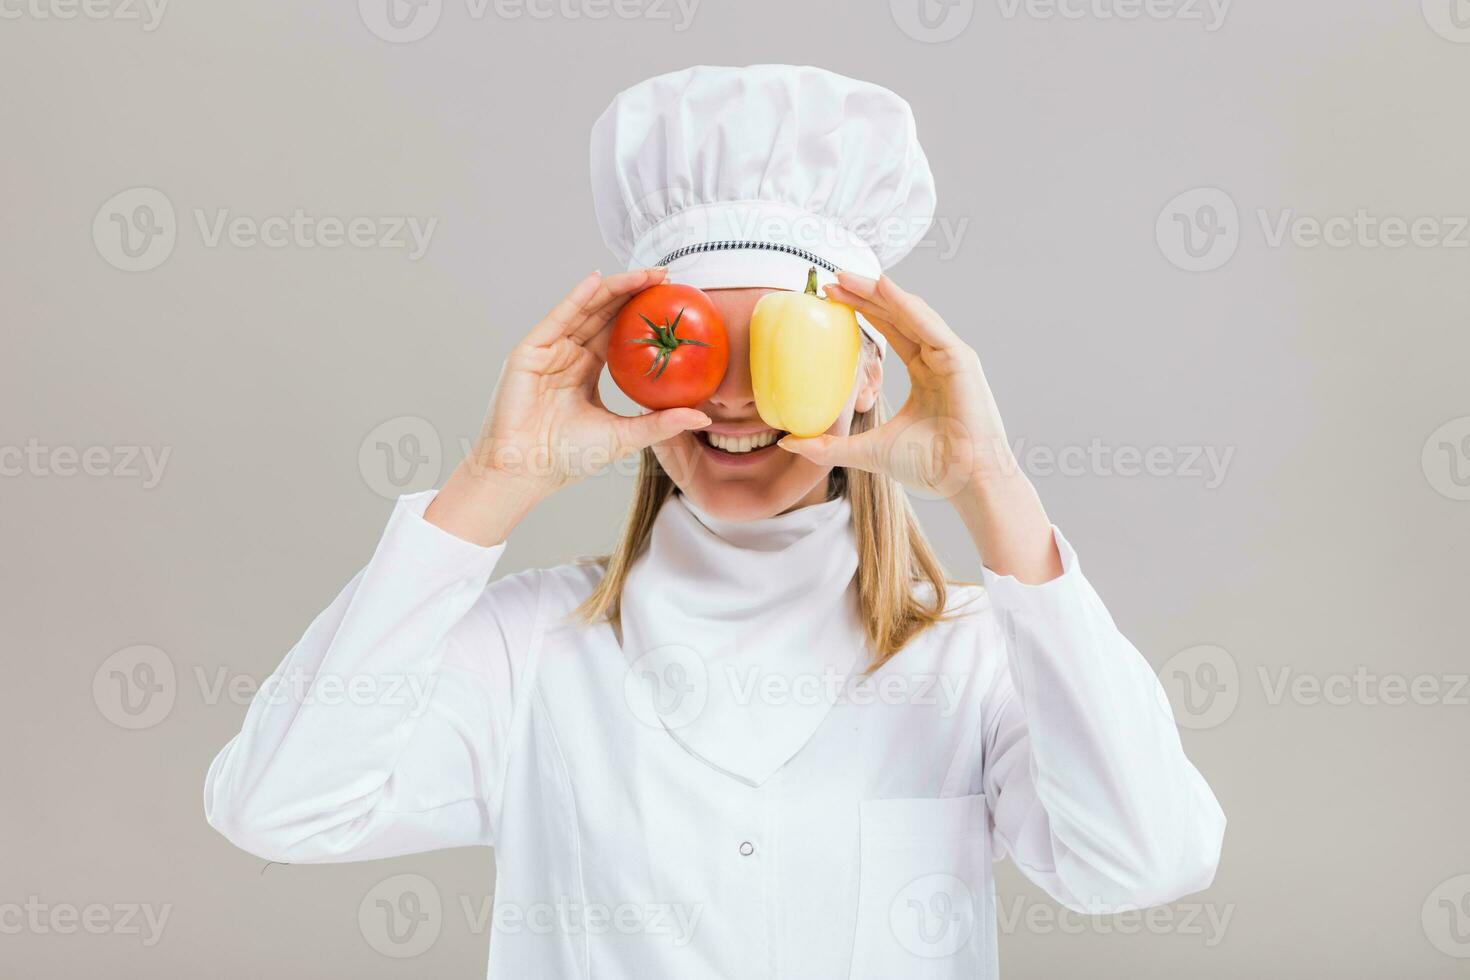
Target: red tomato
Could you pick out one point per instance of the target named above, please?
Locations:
(668, 347)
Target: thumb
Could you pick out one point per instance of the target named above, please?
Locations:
(859, 451)
(642, 431)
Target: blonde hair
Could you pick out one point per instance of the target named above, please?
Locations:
(893, 553)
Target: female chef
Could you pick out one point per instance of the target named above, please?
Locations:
(764, 737)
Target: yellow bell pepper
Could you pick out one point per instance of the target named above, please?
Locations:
(803, 359)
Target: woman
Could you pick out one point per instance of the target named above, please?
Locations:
(764, 737)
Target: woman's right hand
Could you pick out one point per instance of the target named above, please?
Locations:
(547, 426)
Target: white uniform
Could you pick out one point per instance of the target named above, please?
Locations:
(716, 794)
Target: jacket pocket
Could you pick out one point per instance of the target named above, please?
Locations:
(924, 891)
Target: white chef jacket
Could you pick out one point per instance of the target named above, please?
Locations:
(1028, 727)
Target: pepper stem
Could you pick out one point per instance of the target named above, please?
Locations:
(811, 281)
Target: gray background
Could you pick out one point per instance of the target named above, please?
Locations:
(1334, 544)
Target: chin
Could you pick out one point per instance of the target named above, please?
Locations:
(741, 502)
(756, 497)
(774, 486)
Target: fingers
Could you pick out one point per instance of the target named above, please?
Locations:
(596, 345)
(563, 315)
(590, 305)
(612, 293)
(903, 345)
(862, 451)
(642, 431)
(903, 309)
(865, 291)
(595, 331)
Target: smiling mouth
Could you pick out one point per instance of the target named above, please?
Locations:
(740, 445)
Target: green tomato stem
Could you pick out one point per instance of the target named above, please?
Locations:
(666, 339)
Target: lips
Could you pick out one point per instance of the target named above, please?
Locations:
(738, 444)
(741, 443)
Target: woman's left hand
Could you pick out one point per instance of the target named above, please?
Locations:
(948, 440)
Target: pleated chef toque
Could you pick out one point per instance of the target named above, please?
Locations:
(750, 176)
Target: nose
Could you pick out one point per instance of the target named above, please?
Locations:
(735, 397)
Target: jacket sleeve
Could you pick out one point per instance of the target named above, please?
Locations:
(1089, 788)
(385, 730)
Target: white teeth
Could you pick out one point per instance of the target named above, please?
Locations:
(742, 444)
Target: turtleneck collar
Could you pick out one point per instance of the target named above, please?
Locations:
(716, 612)
(726, 571)
(770, 533)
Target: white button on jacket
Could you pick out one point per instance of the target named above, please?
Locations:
(683, 800)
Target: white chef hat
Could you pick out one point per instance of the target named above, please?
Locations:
(748, 177)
